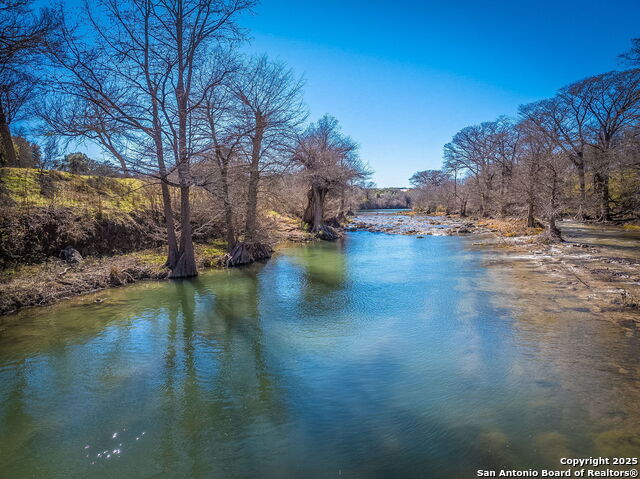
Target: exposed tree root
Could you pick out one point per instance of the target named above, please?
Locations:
(246, 253)
(327, 233)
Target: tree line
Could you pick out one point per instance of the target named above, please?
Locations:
(162, 88)
(575, 154)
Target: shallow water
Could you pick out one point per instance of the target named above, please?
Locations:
(377, 356)
(612, 240)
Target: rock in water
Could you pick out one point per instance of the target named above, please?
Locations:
(71, 255)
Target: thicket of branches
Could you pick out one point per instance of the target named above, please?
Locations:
(575, 154)
(160, 87)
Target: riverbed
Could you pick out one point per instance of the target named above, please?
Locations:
(374, 356)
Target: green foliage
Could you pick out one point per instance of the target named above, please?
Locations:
(77, 163)
(80, 164)
(27, 154)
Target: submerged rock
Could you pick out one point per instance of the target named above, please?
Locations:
(71, 255)
(552, 445)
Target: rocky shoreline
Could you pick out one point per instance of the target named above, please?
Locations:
(413, 224)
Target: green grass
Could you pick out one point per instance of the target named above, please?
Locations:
(151, 257)
(31, 187)
(213, 249)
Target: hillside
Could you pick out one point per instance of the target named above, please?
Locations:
(45, 211)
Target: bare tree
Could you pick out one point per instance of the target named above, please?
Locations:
(543, 174)
(134, 84)
(632, 57)
(472, 151)
(436, 189)
(272, 107)
(225, 131)
(23, 36)
(189, 29)
(329, 160)
(613, 102)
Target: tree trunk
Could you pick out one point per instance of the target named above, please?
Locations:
(601, 185)
(531, 221)
(254, 179)
(172, 241)
(604, 199)
(581, 179)
(578, 162)
(503, 196)
(9, 153)
(483, 211)
(463, 208)
(314, 213)
(245, 253)
(553, 233)
(228, 209)
(186, 265)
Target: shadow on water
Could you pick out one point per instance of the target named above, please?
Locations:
(376, 356)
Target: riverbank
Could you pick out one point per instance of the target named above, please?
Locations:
(598, 264)
(54, 280)
(590, 264)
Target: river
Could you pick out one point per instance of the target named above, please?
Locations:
(374, 356)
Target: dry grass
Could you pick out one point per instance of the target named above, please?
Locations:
(509, 228)
(49, 282)
(54, 280)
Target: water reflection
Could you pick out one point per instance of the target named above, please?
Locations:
(377, 356)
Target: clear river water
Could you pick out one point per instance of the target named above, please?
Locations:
(374, 356)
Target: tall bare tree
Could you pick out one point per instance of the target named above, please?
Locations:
(472, 151)
(225, 130)
(272, 106)
(24, 34)
(613, 103)
(134, 80)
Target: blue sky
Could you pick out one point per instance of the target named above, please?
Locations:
(403, 77)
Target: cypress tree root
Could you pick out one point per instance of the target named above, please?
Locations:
(246, 253)
(327, 233)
